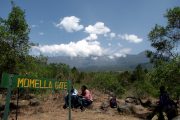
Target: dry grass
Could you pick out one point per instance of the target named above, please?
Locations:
(51, 109)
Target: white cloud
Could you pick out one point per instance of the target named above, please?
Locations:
(115, 53)
(122, 52)
(41, 33)
(112, 35)
(92, 37)
(111, 57)
(98, 28)
(81, 48)
(94, 58)
(88, 46)
(131, 38)
(70, 24)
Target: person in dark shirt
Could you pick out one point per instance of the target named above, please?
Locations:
(166, 105)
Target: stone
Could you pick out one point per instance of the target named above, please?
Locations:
(34, 102)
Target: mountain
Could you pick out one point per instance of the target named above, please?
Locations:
(104, 63)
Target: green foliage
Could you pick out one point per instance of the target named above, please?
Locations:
(14, 40)
(138, 81)
(107, 82)
(81, 77)
(144, 88)
(138, 73)
(165, 39)
(168, 74)
(125, 78)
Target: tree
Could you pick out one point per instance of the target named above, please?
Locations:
(124, 78)
(14, 40)
(168, 75)
(138, 73)
(165, 39)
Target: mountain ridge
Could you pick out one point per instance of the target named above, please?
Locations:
(104, 63)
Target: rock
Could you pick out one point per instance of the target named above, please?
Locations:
(138, 109)
(132, 100)
(127, 109)
(34, 102)
(24, 102)
(104, 106)
(140, 112)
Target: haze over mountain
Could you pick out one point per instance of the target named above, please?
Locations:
(103, 63)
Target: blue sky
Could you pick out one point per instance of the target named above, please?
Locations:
(111, 28)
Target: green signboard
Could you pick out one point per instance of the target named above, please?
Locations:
(19, 81)
(11, 81)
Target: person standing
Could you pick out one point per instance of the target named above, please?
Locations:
(166, 105)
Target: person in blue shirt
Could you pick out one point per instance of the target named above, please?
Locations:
(74, 99)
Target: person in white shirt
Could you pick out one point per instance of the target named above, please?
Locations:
(74, 99)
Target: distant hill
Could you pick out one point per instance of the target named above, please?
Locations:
(104, 63)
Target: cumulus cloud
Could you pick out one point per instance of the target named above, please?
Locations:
(70, 24)
(81, 48)
(131, 38)
(119, 53)
(98, 28)
(91, 37)
(88, 46)
(112, 35)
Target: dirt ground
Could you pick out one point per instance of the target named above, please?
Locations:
(51, 108)
(63, 115)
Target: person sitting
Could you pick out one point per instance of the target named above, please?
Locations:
(85, 99)
(74, 99)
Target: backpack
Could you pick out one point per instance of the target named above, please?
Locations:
(113, 103)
